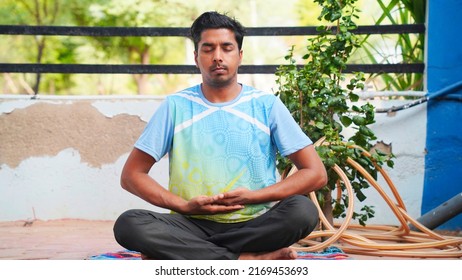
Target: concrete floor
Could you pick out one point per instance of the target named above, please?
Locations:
(66, 240)
(56, 240)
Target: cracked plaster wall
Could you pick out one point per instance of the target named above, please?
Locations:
(62, 158)
(45, 129)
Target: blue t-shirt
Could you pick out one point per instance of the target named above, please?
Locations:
(216, 147)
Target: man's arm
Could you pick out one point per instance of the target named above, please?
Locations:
(136, 180)
(311, 176)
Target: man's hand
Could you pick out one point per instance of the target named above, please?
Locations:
(239, 196)
(209, 205)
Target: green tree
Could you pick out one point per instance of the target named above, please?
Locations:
(47, 49)
(135, 50)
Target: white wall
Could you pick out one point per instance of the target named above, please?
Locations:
(406, 132)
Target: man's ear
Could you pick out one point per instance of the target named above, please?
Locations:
(241, 53)
(195, 59)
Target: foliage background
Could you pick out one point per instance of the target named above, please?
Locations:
(153, 13)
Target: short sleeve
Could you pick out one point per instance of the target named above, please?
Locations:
(156, 139)
(285, 132)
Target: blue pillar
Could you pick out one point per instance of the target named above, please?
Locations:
(443, 161)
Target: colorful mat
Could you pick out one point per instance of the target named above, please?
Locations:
(330, 253)
(120, 255)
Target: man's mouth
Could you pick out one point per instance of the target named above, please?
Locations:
(219, 69)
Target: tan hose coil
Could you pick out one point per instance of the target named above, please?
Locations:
(377, 240)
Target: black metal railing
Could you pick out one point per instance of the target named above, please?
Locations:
(184, 32)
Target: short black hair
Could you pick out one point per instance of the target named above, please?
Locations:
(215, 20)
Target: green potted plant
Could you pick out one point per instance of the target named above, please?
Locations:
(323, 101)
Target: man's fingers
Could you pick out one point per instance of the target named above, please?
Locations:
(212, 205)
(215, 209)
(205, 200)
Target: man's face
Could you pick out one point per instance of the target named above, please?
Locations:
(218, 57)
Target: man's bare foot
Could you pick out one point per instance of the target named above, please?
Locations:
(145, 257)
(281, 254)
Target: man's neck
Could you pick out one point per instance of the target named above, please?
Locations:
(221, 94)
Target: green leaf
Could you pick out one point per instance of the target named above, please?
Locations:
(320, 125)
(358, 120)
(346, 121)
(338, 148)
(354, 97)
(360, 195)
(366, 131)
(356, 108)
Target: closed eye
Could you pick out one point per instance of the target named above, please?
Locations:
(228, 47)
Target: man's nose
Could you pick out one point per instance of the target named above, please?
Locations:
(217, 56)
